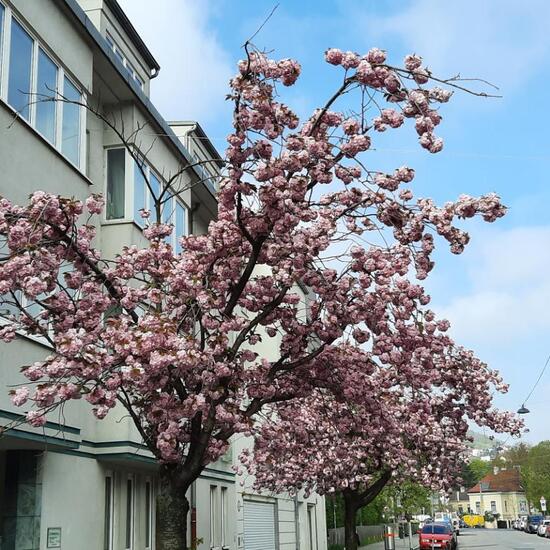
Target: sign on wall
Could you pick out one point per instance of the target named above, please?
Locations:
(53, 538)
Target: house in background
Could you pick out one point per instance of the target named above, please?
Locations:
(458, 501)
(500, 492)
(90, 484)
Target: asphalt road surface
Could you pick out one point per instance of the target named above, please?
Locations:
(481, 539)
(501, 539)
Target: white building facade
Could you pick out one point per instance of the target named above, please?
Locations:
(80, 483)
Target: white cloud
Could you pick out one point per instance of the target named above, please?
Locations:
(502, 40)
(195, 69)
(503, 313)
(509, 288)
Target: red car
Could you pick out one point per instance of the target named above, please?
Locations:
(436, 535)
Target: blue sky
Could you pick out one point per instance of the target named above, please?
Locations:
(497, 294)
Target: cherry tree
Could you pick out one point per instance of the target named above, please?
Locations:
(378, 422)
(176, 339)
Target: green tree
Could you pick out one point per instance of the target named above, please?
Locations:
(535, 473)
(474, 471)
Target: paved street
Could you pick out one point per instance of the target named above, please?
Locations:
(479, 539)
(500, 540)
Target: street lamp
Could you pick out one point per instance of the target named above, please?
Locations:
(523, 410)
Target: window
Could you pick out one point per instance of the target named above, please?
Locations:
(522, 506)
(148, 515)
(312, 526)
(505, 505)
(115, 183)
(173, 211)
(32, 81)
(71, 123)
(180, 228)
(434, 529)
(21, 58)
(167, 214)
(155, 188)
(478, 507)
(140, 188)
(223, 517)
(129, 513)
(2, 10)
(493, 506)
(108, 521)
(46, 86)
(213, 516)
(127, 65)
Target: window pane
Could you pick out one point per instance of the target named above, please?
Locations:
(147, 514)
(1, 33)
(167, 215)
(213, 516)
(181, 225)
(223, 515)
(108, 515)
(46, 86)
(167, 209)
(71, 123)
(115, 183)
(139, 82)
(129, 512)
(20, 69)
(139, 194)
(155, 186)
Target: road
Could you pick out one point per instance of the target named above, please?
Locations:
(500, 540)
(479, 539)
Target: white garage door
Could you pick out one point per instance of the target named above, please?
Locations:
(259, 525)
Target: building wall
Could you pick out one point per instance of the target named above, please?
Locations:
(509, 505)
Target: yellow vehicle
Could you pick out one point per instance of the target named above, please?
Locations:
(474, 520)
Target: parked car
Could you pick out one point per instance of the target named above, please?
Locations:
(541, 531)
(522, 523)
(547, 534)
(451, 519)
(515, 524)
(532, 523)
(437, 535)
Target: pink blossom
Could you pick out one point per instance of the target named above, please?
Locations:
(20, 396)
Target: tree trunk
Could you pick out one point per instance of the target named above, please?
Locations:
(351, 506)
(172, 512)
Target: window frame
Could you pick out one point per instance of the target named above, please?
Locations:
(130, 168)
(130, 519)
(149, 517)
(224, 499)
(56, 133)
(123, 58)
(3, 33)
(214, 519)
(62, 73)
(110, 475)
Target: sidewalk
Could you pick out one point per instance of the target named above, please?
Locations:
(400, 544)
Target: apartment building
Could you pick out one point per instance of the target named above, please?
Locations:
(80, 483)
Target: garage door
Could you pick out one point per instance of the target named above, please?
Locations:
(259, 525)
